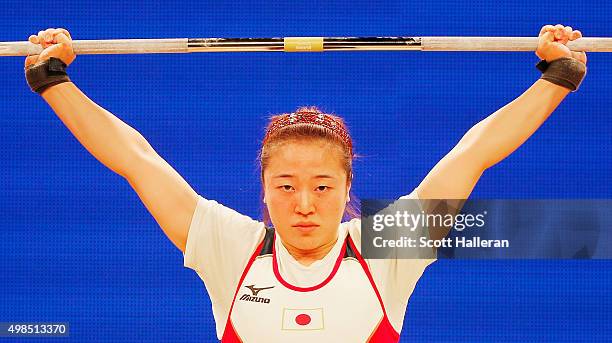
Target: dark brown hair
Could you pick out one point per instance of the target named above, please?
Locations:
(309, 132)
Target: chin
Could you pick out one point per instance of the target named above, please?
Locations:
(305, 241)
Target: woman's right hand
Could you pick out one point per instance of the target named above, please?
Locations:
(55, 43)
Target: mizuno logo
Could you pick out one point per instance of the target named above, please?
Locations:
(254, 298)
(256, 290)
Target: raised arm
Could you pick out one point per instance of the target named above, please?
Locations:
(497, 136)
(118, 146)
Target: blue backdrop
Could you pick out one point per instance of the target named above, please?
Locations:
(77, 245)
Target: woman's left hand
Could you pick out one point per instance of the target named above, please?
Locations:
(552, 43)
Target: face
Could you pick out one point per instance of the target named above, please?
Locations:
(306, 192)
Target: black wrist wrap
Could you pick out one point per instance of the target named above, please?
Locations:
(43, 75)
(566, 72)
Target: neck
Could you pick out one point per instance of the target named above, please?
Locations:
(307, 257)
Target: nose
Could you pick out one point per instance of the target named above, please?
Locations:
(304, 203)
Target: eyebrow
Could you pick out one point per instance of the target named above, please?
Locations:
(323, 176)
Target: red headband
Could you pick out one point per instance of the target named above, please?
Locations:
(315, 118)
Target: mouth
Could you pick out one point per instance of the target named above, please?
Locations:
(305, 227)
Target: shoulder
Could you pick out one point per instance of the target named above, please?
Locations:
(352, 228)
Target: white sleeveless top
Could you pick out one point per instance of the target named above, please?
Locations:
(345, 306)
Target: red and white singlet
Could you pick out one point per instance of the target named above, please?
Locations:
(345, 307)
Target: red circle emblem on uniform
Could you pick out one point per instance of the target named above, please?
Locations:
(302, 319)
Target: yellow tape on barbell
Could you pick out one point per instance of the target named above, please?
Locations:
(303, 44)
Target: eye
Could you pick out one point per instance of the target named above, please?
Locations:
(286, 188)
(323, 188)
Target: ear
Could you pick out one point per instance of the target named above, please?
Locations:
(348, 192)
(263, 188)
